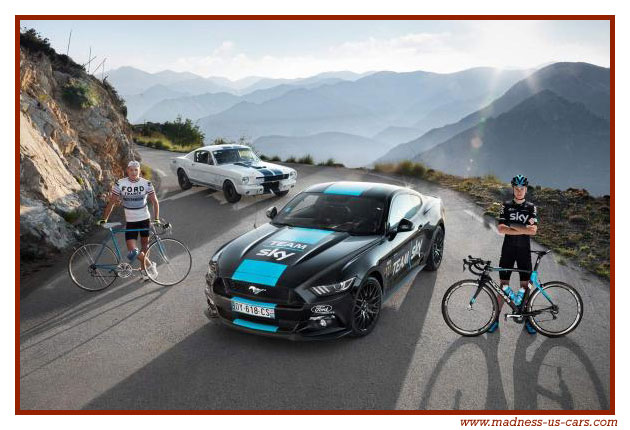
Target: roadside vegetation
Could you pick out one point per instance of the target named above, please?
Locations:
(574, 224)
(177, 136)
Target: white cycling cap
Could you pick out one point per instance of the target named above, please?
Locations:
(133, 163)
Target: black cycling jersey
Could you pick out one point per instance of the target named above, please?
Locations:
(519, 214)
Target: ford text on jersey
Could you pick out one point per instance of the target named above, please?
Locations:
(134, 197)
(513, 213)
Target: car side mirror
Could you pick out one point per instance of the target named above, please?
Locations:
(405, 225)
(271, 212)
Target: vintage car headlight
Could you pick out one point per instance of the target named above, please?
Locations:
(245, 180)
(213, 270)
(338, 287)
(292, 174)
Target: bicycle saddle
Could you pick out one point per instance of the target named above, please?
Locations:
(541, 252)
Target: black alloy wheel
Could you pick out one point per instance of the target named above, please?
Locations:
(182, 178)
(229, 191)
(437, 250)
(367, 307)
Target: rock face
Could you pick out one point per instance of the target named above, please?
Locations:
(69, 155)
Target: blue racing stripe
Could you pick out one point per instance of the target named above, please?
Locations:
(266, 172)
(301, 234)
(255, 326)
(347, 189)
(259, 272)
(253, 303)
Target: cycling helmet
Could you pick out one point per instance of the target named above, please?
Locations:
(134, 163)
(519, 181)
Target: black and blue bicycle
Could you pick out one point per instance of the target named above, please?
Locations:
(95, 266)
(470, 306)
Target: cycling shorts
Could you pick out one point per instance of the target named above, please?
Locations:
(519, 255)
(129, 235)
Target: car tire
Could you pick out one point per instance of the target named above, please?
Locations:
(281, 193)
(182, 178)
(368, 299)
(436, 252)
(229, 191)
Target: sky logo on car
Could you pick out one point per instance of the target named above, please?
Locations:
(347, 189)
(259, 272)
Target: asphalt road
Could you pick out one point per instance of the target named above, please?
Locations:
(141, 346)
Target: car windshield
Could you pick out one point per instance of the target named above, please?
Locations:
(353, 214)
(235, 155)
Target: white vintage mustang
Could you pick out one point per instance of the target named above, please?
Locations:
(235, 169)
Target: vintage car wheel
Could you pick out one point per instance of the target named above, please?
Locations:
(182, 178)
(367, 307)
(437, 250)
(281, 193)
(229, 191)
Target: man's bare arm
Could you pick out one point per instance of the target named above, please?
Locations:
(156, 205)
(113, 200)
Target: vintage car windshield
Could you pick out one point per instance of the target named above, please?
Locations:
(353, 214)
(235, 155)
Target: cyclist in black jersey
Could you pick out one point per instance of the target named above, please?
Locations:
(518, 220)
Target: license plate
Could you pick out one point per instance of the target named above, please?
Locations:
(254, 310)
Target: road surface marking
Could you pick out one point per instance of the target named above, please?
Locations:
(181, 194)
(482, 221)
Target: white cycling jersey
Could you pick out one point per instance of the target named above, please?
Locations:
(134, 197)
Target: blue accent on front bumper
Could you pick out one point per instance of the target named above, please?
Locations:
(255, 326)
(259, 272)
(302, 235)
(253, 303)
(347, 189)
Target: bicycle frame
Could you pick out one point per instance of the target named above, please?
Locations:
(112, 236)
(533, 282)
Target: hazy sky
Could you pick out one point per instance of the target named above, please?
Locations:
(290, 49)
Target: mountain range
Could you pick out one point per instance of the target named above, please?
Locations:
(580, 82)
(473, 122)
(553, 141)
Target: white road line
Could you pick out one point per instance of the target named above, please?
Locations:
(182, 194)
(482, 221)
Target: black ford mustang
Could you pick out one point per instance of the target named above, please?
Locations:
(326, 262)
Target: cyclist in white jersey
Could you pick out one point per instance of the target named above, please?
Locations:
(133, 192)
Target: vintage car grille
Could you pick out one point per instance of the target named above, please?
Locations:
(271, 294)
(273, 178)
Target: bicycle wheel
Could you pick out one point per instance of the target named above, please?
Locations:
(559, 316)
(172, 259)
(85, 275)
(467, 319)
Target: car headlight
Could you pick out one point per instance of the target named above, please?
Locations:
(245, 180)
(292, 174)
(213, 270)
(338, 287)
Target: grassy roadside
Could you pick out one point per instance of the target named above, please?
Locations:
(574, 224)
(159, 141)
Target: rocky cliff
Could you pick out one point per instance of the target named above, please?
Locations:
(74, 142)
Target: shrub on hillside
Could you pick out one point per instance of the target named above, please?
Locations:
(275, 158)
(79, 94)
(291, 159)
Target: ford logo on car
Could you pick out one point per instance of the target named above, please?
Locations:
(321, 309)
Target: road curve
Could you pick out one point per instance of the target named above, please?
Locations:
(141, 346)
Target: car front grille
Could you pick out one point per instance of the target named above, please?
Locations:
(280, 295)
(273, 178)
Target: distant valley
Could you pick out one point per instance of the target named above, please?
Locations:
(474, 122)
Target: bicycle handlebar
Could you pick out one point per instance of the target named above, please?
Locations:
(475, 263)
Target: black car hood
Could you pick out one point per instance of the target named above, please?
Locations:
(290, 256)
